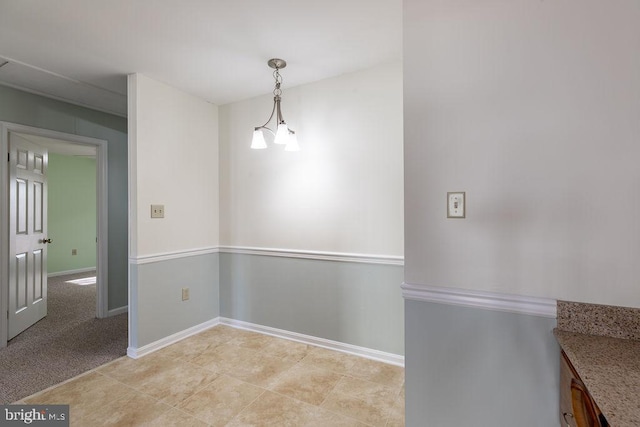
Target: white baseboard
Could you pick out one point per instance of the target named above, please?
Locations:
(64, 273)
(119, 310)
(135, 353)
(381, 356)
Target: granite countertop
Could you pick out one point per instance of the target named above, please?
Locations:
(610, 368)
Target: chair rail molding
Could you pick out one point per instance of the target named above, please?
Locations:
(315, 255)
(165, 256)
(495, 301)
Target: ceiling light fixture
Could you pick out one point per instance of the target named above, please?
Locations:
(283, 135)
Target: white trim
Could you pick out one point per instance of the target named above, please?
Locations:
(4, 237)
(165, 256)
(495, 301)
(135, 353)
(64, 273)
(102, 215)
(315, 255)
(119, 310)
(283, 253)
(132, 203)
(381, 356)
(368, 353)
(102, 229)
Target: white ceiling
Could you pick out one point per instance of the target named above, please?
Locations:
(82, 50)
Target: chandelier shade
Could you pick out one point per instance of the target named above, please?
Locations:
(282, 134)
(258, 142)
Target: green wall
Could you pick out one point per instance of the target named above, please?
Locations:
(37, 111)
(72, 213)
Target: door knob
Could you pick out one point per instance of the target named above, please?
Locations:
(46, 240)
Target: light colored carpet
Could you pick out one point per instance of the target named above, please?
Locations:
(69, 341)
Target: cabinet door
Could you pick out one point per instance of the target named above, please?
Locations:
(584, 411)
(566, 407)
(577, 408)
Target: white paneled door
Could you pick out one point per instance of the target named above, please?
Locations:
(27, 234)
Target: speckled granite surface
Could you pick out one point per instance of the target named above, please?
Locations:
(603, 344)
(610, 368)
(594, 319)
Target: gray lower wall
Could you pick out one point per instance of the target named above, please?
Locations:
(475, 367)
(354, 303)
(156, 297)
(37, 111)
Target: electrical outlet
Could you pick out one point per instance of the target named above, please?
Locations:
(157, 211)
(74, 252)
(185, 294)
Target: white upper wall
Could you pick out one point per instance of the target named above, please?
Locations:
(343, 192)
(533, 108)
(173, 156)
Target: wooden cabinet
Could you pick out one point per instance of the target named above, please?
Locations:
(577, 408)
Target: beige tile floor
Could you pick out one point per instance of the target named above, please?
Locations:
(231, 377)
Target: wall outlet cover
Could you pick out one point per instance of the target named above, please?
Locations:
(456, 205)
(157, 211)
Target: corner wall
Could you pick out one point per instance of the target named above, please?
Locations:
(296, 226)
(173, 152)
(532, 108)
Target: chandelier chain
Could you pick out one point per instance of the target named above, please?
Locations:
(276, 75)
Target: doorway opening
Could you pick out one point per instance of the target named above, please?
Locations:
(66, 144)
(71, 209)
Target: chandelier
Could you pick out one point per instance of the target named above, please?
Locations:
(282, 135)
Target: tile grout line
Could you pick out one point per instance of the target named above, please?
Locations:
(336, 413)
(331, 391)
(182, 359)
(265, 390)
(248, 405)
(386, 413)
(80, 375)
(133, 390)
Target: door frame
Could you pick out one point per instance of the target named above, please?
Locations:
(101, 222)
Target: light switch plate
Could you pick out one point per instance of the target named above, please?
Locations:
(157, 211)
(185, 294)
(456, 204)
